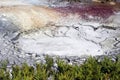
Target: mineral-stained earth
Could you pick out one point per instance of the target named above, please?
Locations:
(30, 29)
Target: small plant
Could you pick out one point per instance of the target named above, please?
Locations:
(49, 62)
(16, 73)
(40, 72)
(4, 74)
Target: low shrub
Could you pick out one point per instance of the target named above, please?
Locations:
(92, 69)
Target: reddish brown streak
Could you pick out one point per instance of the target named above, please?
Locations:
(102, 11)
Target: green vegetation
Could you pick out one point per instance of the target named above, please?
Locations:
(91, 69)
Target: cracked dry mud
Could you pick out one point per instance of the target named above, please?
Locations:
(31, 46)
